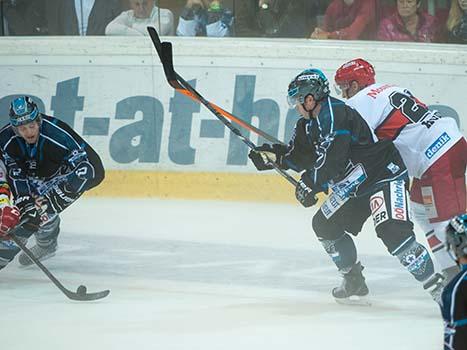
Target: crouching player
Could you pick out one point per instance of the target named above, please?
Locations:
(49, 166)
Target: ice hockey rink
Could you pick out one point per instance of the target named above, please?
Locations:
(208, 275)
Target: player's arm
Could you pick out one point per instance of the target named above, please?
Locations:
(60, 192)
(296, 155)
(82, 170)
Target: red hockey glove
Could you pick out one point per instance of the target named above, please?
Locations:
(9, 218)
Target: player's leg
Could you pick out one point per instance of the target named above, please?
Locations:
(46, 241)
(332, 225)
(389, 209)
(437, 197)
(9, 249)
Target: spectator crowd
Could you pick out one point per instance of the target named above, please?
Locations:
(386, 20)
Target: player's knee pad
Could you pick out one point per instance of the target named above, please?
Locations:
(342, 251)
(435, 234)
(415, 258)
(394, 232)
(324, 228)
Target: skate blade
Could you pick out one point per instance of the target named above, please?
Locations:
(31, 263)
(354, 300)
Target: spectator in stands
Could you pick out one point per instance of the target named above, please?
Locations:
(143, 13)
(348, 19)
(457, 22)
(409, 23)
(82, 17)
(205, 18)
(276, 18)
(23, 17)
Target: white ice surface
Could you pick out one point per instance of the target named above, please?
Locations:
(208, 275)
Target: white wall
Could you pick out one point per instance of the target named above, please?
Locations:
(113, 90)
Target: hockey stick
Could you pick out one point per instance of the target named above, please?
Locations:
(164, 50)
(81, 292)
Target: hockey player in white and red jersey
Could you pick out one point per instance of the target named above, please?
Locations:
(9, 218)
(432, 147)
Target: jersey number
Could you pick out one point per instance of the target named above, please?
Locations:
(407, 110)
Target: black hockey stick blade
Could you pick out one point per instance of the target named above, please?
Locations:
(80, 294)
(165, 52)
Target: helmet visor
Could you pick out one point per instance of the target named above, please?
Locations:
(293, 97)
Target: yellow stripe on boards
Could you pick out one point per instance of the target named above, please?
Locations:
(191, 185)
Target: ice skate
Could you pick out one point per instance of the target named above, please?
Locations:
(353, 290)
(435, 286)
(42, 250)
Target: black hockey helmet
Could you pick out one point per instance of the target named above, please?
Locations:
(456, 236)
(309, 82)
(23, 110)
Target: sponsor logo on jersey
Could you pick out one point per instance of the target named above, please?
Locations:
(332, 204)
(373, 93)
(437, 145)
(378, 208)
(352, 181)
(393, 168)
(398, 200)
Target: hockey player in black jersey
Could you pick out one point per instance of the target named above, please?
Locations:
(49, 167)
(454, 300)
(335, 150)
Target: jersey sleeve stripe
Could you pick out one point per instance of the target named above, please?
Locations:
(55, 142)
(63, 131)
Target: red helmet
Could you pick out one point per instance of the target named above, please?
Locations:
(357, 70)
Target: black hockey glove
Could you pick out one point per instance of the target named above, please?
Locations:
(59, 193)
(59, 198)
(29, 213)
(259, 156)
(304, 191)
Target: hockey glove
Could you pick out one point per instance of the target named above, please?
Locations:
(262, 155)
(28, 212)
(304, 192)
(9, 218)
(58, 199)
